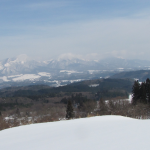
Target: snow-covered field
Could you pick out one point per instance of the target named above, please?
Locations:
(23, 77)
(95, 133)
(26, 77)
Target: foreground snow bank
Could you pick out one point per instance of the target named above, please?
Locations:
(103, 132)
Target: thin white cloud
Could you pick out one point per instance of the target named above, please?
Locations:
(143, 13)
(120, 37)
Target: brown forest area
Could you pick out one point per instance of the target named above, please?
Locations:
(18, 111)
(15, 111)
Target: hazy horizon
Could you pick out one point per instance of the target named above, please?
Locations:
(87, 57)
(46, 29)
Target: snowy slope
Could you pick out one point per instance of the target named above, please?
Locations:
(105, 133)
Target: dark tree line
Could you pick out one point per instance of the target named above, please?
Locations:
(141, 92)
(78, 98)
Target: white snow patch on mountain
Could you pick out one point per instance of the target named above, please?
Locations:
(93, 85)
(44, 74)
(103, 132)
(22, 58)
(1, 67)
(69, 71)
(92, 71)
(15, 76)
(7, 65)
(45, 62)
(4, 78)
(78, 80)
(22, 77)
(69, 56)
(26, 77)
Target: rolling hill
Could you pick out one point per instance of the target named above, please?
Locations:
(103, 132)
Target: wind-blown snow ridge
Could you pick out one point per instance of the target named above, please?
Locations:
(103, 132)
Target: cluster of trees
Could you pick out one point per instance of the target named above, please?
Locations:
(140, 95)
(78, 105)
(78, 98)
(5, 106)
(141, 92)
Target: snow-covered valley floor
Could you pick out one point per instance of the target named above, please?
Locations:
(95, 133)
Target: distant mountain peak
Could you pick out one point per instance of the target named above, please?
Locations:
(22, 58)
(69, 56)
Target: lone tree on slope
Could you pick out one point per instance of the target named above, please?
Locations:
(69, 110)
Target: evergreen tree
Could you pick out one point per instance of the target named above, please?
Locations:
(135, 92)
(69, 110)
(142, 93)
(148, 90)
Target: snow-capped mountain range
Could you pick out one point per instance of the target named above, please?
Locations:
(66, 67)
(23, 64)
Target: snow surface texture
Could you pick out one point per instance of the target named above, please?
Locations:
(96, 133)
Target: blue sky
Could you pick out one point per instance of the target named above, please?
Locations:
(102, 28)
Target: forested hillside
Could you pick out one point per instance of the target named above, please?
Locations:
(105, 88)
(142, 75)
